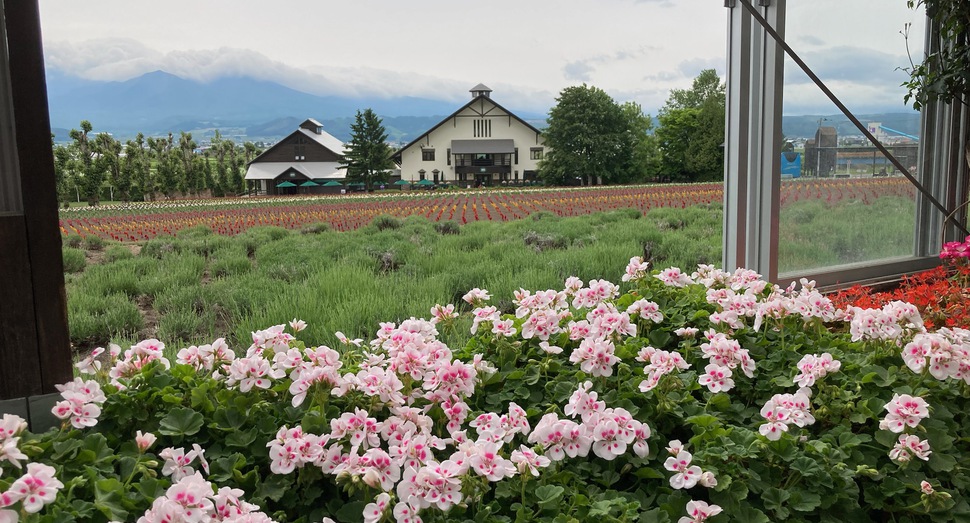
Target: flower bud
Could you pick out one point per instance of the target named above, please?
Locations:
(708, 480)
(926, 488)
(144, 441)
(372, 479)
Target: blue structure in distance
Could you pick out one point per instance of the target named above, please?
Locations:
(791, 164)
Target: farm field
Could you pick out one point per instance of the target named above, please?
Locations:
(198, 282)
(197, 285)
(146, 220)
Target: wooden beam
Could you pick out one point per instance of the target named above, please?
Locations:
(51, 351)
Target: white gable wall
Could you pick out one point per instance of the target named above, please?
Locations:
(493, 124)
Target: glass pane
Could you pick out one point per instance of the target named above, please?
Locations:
(842, 201)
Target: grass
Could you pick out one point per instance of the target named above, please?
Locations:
(201, 285)
(196, 286)
(814, 234)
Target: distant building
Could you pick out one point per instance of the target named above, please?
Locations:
(481, 143)
(309, 154)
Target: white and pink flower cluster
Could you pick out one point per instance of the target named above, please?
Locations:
(784, 410)
(636, 269)
(192, 499)
(909, 447)
(740, 295)
(904, 411)
(659, 364)
(206, 357)
(699, 511)
(891, 323)
(10, 428)
(607, 431)
(36, 488)
(178, 463)
(81, 404)
(944, 354)
(135, 358)
(813, 367)
(724, 355)
(686, 475)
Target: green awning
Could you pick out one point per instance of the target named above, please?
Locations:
(308, 183)
(286, 184)
(425, 182)
(333, 183)
(402, 182)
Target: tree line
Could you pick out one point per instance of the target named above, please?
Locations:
(147, 168)
(592, 139)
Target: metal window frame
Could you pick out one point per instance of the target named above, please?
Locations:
(752, 177)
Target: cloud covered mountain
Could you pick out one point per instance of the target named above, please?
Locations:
(157, 101)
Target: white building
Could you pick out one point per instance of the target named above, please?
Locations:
(481, 143)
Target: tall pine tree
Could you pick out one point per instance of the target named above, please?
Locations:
(368, 157)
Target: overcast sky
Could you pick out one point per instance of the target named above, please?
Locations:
(527, 51)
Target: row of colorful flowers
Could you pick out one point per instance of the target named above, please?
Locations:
(145, 221)
(777, 392)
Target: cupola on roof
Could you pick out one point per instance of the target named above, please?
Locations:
(481, 90)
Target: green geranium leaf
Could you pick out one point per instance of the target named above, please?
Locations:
(351, 512)
(804, 501)
(775, 499)
(941, 462)
(181, 422)
(108, 500)
(242, 438)
(549, 496)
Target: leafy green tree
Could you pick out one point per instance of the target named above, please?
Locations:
(589, 138)
(691, 131)
(138, 161)
(234, 183)
(191, 180)
(108, 158)
(368, 157)
(88, 175)
(645, 160)
(167, 165)
(63, 164)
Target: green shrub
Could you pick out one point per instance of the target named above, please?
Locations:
(315, 228)
(94, 319)
(181, 325)
(73, 240)
(230, 265)
(447, 227)
(117, 252)
(74, 260)
(385, 222)
(93, 243)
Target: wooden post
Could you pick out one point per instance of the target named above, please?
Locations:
(35, 352)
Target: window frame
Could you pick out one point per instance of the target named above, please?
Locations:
(752, 175)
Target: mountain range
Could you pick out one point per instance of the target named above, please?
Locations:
(244, 108)
(159, 102)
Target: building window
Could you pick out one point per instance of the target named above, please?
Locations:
(299, 148)
(516, 156)
(482, 128)
(536, 153)
(448, 154)
(421, 174)
(427, 155)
